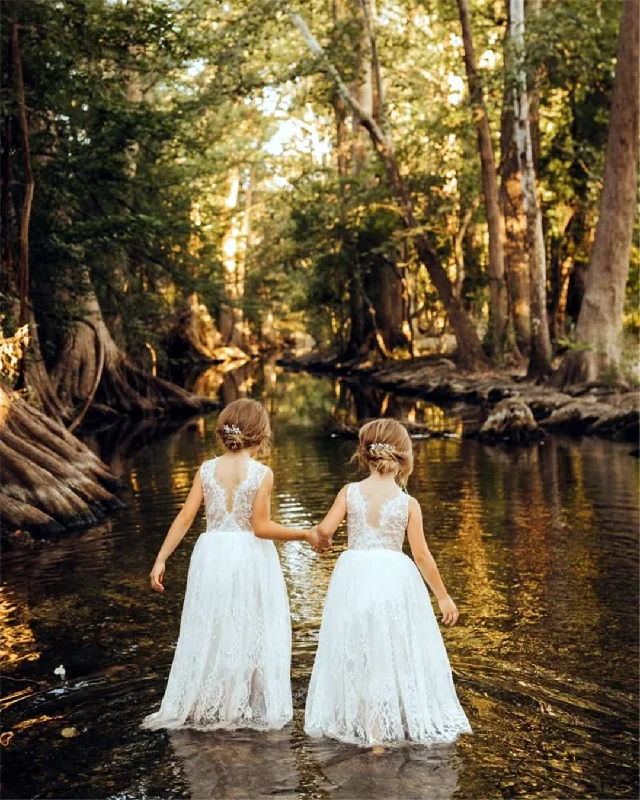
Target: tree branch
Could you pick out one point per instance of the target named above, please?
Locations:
(375, 63)
(312, 43)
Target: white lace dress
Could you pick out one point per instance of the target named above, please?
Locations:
(231, 668)
(381, 672)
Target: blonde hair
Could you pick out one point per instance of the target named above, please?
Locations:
(384, 446)
(244, 423)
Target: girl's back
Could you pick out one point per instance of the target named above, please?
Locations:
(229, 487)
(232, 660)
(376, 520)
(381, 672)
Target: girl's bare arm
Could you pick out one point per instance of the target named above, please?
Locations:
(427, 564)
(264, 527)
(177, 531)
(334, 517)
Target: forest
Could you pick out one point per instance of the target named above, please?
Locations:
(190, 182)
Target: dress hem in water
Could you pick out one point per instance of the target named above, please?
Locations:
(427, 741)
(228, 725)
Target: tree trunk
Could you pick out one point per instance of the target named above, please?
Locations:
(532, 9)
(470, 353)
(32, 370)
(515, 252)
(363, 92)
(600, 322)
(361, 329)
(92, 371)
(49, 480)
(388, 296)
(194, 340)
(234, 253)
(495, 220)
(29, 184)
(540, 359)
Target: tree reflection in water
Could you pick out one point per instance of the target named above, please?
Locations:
(250, 764)
(539, 547)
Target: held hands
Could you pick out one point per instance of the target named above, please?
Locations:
(449, 611)
(319, 543)
(156, 575)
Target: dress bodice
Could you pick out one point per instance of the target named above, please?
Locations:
(388, 534)
(215, 497)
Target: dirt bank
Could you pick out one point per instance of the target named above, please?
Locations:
(612, 412)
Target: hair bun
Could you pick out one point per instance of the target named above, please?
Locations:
(384, 446)
(232, 437)
(243, 423)
(382, 452)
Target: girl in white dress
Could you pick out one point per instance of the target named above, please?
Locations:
(231, 667)
(381, 672)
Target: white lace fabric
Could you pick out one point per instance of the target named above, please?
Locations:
(215, 497)
(390, 531)
(231, 667)
(381, 673)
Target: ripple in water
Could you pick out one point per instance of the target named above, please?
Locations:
(538, 546)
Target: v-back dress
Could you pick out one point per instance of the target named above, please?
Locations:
(231, 667)
(381, 672)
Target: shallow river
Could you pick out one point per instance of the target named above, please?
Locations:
(538, 546)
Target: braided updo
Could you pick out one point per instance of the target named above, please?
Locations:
(384, 446)
(244, 423)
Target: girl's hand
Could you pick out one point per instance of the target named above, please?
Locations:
(320, 544)
(156, 575)
(449, 611)
(312, 537)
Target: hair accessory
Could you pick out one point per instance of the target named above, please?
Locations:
(380, 447)
(232, 429)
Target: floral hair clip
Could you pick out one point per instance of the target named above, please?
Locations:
(232, 429)
(380, 447)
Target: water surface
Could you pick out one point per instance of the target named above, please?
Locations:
(538, 546)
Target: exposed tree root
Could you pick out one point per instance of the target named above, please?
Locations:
(578, 367)
(49, 480)
(93, 374)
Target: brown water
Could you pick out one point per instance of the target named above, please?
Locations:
(538, 546)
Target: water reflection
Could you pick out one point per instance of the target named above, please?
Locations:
(238, 764)
(403, 772)
(539, 547)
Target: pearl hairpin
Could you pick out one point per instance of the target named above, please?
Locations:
(380, 447)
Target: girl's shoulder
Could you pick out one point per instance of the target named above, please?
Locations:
(412, 503)
(205, 470)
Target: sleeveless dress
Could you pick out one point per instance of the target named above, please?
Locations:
(231, 668)
(381, 672)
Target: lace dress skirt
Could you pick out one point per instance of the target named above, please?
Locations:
(381, 672)
(232, 663)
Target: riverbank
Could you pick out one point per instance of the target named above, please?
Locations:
(612, 412)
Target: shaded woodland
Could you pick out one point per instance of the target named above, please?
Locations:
(188, 182)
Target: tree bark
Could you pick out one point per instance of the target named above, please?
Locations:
(470, 352)
(363, 92)
(29, 183)
(515, 251)
(89, 356)
(495, 220)
(540, 359)
(599, 327)
(230, 313)
(49, 480)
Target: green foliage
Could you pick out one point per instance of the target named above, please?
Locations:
(140, 112)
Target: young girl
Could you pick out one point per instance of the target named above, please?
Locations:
(231, 667)
(381, 672)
